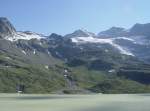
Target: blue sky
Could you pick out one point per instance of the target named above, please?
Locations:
(65, 16)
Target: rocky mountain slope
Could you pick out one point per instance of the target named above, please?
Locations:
(114, 61)
(136, 39)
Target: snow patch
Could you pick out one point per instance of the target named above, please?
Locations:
(125, 38)
(7, 66)
(40, 43)
(106, 50)
(86, 32)
(83, 40)
(112, 70)
(58, 54)
(141, 40)
(90, 40)
(25, 36)
(48, 52)
(8, 58)
(46, 67)
(66, 71)
(24, 52)
(34, 52)
(65, 75)
(81, 48)
(122, 50)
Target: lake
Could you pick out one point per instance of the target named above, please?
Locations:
(95, 102)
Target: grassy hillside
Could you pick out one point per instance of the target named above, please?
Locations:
(37, 78)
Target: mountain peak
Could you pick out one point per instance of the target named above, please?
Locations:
(6, 28)
(80, 33)
(116, 28)
(113, 32)
(55, 36)
(140, 29)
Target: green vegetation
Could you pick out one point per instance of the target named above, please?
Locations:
(103, 82)
(38, 79)
(118, 85)
(34, 79)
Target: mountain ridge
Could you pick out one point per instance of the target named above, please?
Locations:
(79, 62)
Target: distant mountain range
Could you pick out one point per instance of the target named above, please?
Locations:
(114, 61)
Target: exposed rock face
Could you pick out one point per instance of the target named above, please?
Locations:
(80, 33)
(113, 32)
(140, 29)
(6, 28)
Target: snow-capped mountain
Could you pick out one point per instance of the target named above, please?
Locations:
(136, 39)
(99, 41)
(6, 28)
(113, 32)
(8, 32)
(132, 42)
(56, 61)
(24, 36)
(80, 33)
